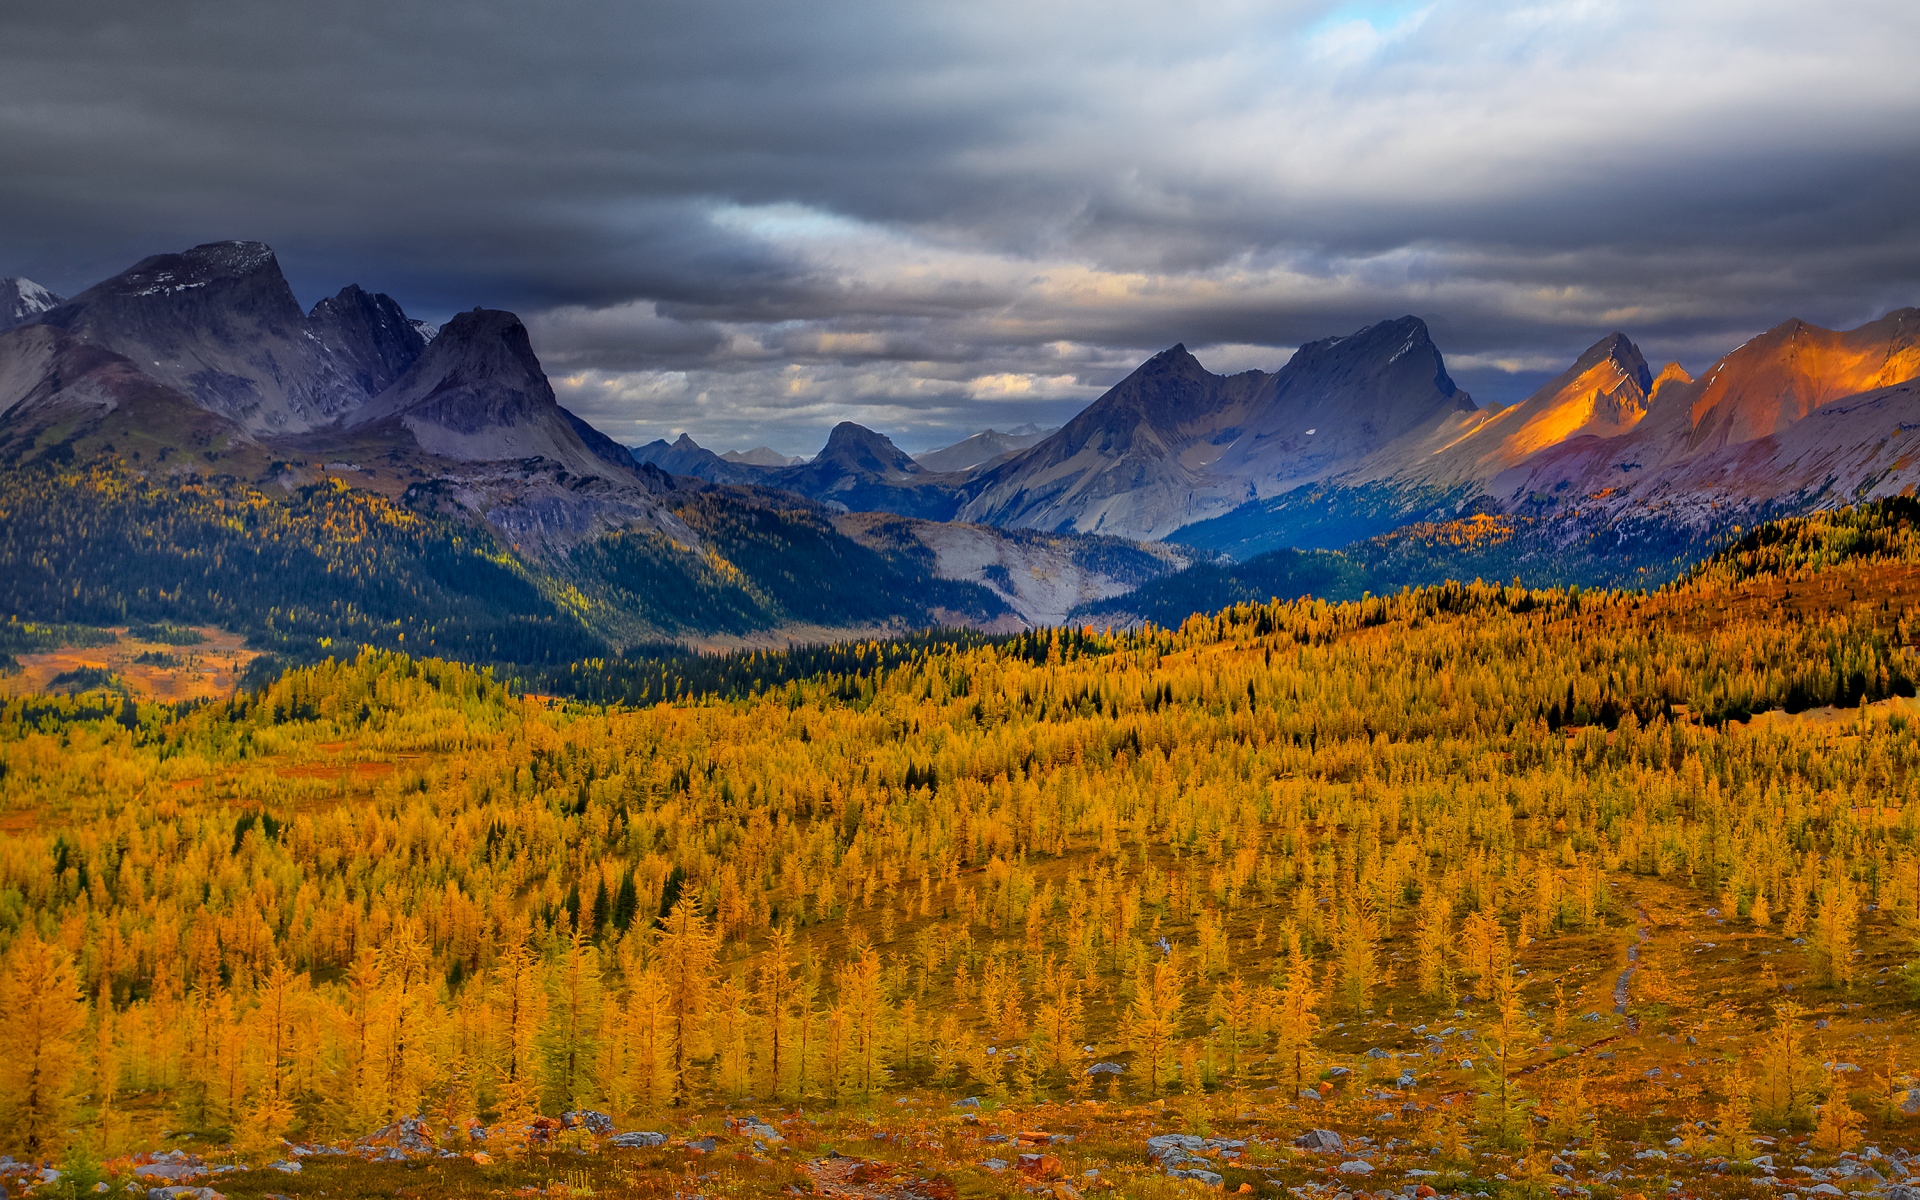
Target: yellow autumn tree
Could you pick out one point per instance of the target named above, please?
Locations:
(1153, 1019)
(39, 1044)
(685, 955)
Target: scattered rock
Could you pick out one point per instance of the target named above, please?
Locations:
(1319, 1139)
(1167, 1145)
(1040, 1167)
(638, 1140)
(754, 1127)
(1355, 1166)
(598, 1124)
(406, 1138)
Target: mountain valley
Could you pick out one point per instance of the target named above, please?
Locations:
(193, 385)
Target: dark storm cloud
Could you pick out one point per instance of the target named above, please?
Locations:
(751, 218)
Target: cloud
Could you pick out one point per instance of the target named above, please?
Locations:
(749, 219)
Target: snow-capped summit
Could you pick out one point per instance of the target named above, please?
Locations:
(23, 300)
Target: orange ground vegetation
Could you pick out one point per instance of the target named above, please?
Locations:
(1499, 884)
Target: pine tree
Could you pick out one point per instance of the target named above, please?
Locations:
(39, 1044)
(652, 1073)
(865, 1003)
(575, 1018)
(521, 1004)
(1834, 923)
(774, 999)
(1839, 1126)
(1298, 1018)
(1433, 945)
(686, 959)
(1510, 1030)
(1233, 1008)
(1785, 1078)
(1357, 952)
(1153, 1020)
(1734, 1119)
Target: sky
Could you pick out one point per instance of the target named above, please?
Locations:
(748, 220)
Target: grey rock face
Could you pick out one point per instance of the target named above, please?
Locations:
(219, 323)
(477, 394)
(371, 341)
(1174, 443)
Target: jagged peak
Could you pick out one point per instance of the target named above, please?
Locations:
(1626, 356)
(1176, 358)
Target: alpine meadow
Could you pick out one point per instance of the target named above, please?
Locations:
(1479, 882)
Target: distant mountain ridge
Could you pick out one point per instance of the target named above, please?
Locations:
(1174, 443)
(982, 449)
(201, 365)
(199, 398)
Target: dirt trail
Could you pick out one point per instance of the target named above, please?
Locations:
(1633, 964)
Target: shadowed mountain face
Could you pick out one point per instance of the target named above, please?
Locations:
(863, 471)
(1173, 443)
(220, 324)
(370, 340)
(477, 394)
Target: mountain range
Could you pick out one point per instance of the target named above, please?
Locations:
(191, 393)
(153, 424)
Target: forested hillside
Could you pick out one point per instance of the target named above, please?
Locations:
(1226, 857)
(305, 570)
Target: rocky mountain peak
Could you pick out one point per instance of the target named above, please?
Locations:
(1776, 379)
(1626, 357)
(1393, 356)
(219, 323)
(23, 300)
(218, 266)
(371, 340)
(858, 449)
(477, 394)
(479, 373)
